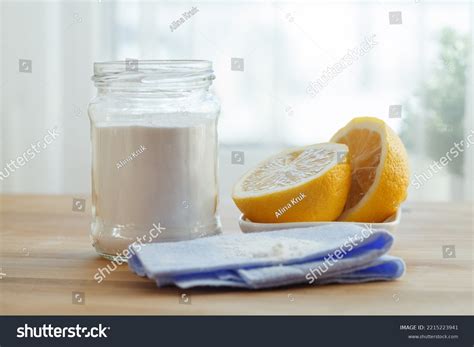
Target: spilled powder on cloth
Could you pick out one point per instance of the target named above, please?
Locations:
(265, 247)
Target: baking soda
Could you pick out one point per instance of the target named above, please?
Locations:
(167, 175)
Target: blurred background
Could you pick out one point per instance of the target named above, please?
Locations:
(266, 55)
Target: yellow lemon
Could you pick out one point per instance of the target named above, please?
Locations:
(379, 170)
(297, 185)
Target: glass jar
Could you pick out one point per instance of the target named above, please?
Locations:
(154, 154)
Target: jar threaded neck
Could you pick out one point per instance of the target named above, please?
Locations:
(153, 76)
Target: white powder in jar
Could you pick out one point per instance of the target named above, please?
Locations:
(154, 173)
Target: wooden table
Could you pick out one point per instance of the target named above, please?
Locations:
(45, 256)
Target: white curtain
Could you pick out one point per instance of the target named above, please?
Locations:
(264, 107)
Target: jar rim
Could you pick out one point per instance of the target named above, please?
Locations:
(148, 75)
(117, 66)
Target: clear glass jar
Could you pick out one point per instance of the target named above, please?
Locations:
(154, 153)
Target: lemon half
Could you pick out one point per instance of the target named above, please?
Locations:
(297, 185)
(380, 173)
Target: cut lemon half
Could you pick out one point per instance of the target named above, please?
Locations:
(379, 170)
(297, 185)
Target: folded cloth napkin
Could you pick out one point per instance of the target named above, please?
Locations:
(334, 253)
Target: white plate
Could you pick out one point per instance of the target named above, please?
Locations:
(390, 224)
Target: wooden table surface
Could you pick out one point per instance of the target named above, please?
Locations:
(46, 255)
